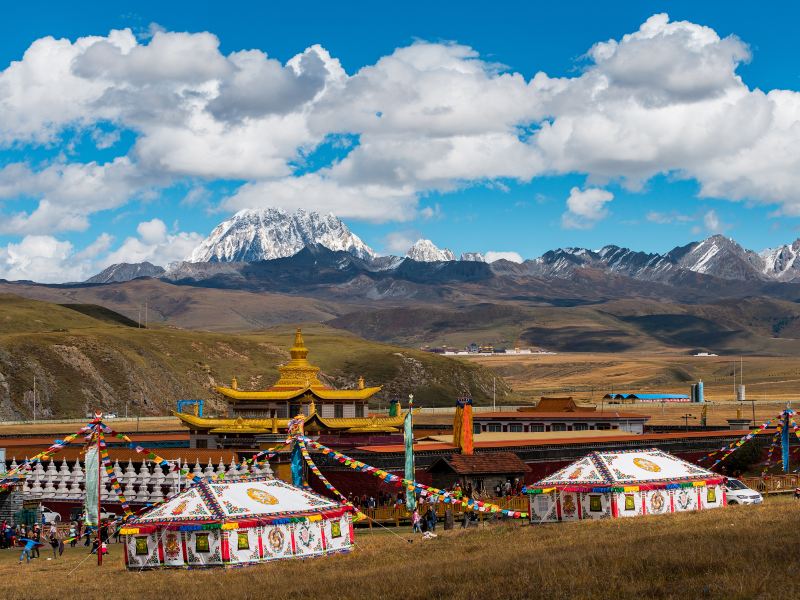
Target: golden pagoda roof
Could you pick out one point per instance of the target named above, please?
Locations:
(297, 378)
(329, 423)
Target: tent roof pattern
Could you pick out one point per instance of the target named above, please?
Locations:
(238, 498)
(626, 467)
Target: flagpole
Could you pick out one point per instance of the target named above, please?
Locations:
(99, 495)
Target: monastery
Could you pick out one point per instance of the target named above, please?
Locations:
(262, 416)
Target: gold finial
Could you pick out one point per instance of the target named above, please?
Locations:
(234, 383)
(361, 383)
(299, 350)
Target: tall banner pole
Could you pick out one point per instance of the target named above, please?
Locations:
(99, 495)
(408, 434)
(785, 440)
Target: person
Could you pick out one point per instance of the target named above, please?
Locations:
(54, 537)
(73, 534)
(3, 527)
(497, 491)
(37, 535)
(415, 525)
(27, 549)
(430, 518)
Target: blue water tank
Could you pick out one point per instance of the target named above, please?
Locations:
(699, 393)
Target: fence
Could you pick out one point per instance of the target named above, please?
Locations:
(398, 514)
(774, 484)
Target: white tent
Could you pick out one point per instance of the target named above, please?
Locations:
(624, 484)
(237, 521)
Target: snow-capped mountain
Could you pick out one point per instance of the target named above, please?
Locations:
(472, 257)
(125, 272)
(782, 262)
(263, 234)
(427, 251)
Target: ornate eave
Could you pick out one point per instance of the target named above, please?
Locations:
(291, 394)
(312, 422)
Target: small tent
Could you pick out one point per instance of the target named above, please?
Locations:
(237, 521)
(624, 484)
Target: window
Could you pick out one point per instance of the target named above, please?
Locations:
(515, 427)
(580, 427)
(595, 503)
(359, 410)
(243, 540)
(537, 427)
(630, 503)
(604, 426)
(495, 427)
(559, 426)
(141, 546)
(201, 542)
(338, 411)
(711, 495)
(476, 428)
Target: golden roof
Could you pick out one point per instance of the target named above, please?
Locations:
(329, 423)
(297, 378)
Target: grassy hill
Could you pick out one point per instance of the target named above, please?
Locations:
(82, 363)
(732, 553)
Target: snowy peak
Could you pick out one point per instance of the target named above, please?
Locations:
(472, 257)
(264, 234)
(427, 251)
(719, 256)
(782, 262)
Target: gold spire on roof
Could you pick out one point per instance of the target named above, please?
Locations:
(298, 372)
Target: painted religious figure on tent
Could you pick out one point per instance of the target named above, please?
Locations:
(711, 496)
(657, 502)
(630, 503)
(569, 505)
(595, 503)
(243, 541)
(172, 547)
(336, 529)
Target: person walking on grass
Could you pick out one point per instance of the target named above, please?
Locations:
(37, 536)
(415, 522)
(54, 537)
(73, 535)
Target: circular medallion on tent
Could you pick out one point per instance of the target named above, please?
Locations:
(261, 496)
(275, 539)
(647, 465)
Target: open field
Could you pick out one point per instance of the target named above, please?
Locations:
(737, 552)
(591, 375)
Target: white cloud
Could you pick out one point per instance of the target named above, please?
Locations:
(585, 208)
(398, 242)
(663, 218)
(713, 223)
(42, 258)
(492, 256)
(154, 245)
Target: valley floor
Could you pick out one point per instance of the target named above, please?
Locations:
(736, 552)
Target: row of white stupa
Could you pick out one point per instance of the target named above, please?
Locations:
(147, 484)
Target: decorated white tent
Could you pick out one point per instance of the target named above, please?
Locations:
(624, 484)
(237, 521)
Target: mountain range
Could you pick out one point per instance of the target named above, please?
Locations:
(259, 235)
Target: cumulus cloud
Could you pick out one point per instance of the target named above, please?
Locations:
(154, 244)
(713, 223)
(492, 256)
(42, 258)
(585, 208)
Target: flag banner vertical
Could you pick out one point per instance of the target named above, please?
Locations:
(466, 427)
(408, 434)
(92, 472)
(297, 465)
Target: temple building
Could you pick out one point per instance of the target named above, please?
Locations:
(256, 417)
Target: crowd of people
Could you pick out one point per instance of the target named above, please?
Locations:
(32, 537)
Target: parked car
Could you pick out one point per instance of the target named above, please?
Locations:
(738, 493)
(110, 415)
(50, 516)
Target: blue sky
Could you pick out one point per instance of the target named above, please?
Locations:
(408, 120)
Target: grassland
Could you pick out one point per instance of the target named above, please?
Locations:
(733, 553)
(82, 363)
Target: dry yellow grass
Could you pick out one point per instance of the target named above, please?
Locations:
(737, 552)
